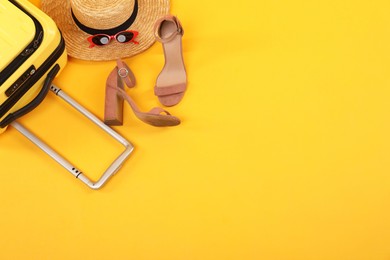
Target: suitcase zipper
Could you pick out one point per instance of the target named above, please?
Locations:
(36, 101)
(39, 73)
(27, 52)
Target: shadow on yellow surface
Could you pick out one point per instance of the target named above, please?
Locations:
(283, 151)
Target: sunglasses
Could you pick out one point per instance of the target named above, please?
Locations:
(121, 37)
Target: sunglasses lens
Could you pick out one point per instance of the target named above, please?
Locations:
(101, 40)
(124, 37)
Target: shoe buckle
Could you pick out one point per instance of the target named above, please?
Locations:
(123, 72)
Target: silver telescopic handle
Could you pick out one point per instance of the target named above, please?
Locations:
(111, 170)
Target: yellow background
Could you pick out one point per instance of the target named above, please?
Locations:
(283, 151)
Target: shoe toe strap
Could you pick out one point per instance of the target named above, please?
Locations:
(166, 91)
(159, 111)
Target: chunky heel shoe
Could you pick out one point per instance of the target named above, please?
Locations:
(115, 95)
(172, 81)
(113, 111)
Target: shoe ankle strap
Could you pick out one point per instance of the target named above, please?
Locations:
(125, 73)
(158, 24)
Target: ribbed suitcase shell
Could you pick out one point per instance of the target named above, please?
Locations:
(30, 46)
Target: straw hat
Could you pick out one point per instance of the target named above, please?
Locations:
(79, 20)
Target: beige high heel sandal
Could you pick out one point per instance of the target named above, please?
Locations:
(115, 95)
(172, 81)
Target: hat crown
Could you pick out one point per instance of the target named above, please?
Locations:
(102, 14)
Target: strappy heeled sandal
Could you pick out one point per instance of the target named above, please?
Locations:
(172, 81)
(115, 95)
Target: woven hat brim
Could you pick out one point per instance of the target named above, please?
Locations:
(76, 39)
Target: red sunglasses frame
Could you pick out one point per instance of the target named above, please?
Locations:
(112, 37)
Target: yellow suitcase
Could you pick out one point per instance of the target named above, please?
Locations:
(32, 53)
